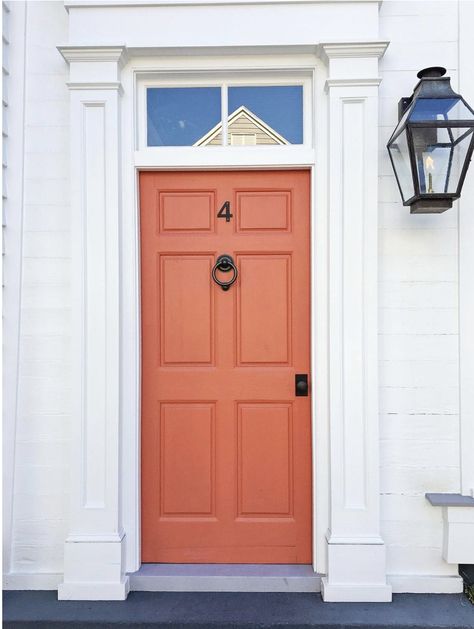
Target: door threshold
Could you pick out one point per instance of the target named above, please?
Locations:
(155, 577)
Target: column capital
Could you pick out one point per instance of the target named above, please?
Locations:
(351, 83)
(73, 54)
(338, 50)
(352, 64)
(94, 67)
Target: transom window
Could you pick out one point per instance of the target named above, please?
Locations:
(225, 115)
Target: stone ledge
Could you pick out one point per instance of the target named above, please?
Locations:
(449, 500)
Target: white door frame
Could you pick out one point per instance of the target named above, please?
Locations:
(186, 159)
(103, 542)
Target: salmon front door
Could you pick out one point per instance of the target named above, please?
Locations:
(226, 442)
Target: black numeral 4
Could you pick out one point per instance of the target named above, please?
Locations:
(224, 212)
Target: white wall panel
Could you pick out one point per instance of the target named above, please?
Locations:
(419, 401)
(466, 267)
(419, 359)
(41, 479)
(416, 427)
(413, 294)
(391, 214)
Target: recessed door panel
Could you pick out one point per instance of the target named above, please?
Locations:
(265, 464)
(266, 210)
(264, 325)
(186, 309)
(186, 211)
(187, 455)
(226, 443)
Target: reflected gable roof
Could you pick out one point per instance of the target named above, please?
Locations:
(242, 112)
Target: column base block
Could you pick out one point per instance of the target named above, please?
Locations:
(355, 593)
(94, 570)
(94, 591)
(356, 573)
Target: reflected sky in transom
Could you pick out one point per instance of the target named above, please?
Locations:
(178, 116)
(280, 107)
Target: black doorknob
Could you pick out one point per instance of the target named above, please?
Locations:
(301, 384)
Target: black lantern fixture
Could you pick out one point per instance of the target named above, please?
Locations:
(432, 144)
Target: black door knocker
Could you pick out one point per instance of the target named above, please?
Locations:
(225, 263)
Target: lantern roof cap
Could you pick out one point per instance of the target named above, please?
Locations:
(432, 72)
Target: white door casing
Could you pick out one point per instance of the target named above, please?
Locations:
(103, 541)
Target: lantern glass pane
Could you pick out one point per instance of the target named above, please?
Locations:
(462, 142)
(402, 122)
(401, 161)
(427, 109)
(440, 155)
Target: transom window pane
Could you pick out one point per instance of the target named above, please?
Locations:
(256, 115)
(273, 113)
(180, 116)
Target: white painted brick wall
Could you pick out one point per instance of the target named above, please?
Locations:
(418, 309)
(41, 470)
(419, 362)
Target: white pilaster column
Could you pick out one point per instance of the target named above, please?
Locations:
(356, 552)
(94, 549)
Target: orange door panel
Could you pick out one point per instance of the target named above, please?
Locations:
(226, 445)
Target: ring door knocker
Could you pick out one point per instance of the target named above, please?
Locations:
(225, 264)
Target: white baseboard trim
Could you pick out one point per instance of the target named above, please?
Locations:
(36, 581)
(355, 593)
(425, 584)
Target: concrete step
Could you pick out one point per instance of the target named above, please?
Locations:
(225, 578)
(210, 610)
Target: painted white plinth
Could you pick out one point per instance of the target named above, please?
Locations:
(93, 571)
(91, 591)
(356, 573)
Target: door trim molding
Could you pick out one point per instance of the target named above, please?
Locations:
(216, 159)
(344, 268)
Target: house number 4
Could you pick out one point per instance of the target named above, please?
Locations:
(224, 212)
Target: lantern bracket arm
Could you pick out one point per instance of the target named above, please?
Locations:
(403, 105)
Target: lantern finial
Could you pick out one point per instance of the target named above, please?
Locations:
(434, 72)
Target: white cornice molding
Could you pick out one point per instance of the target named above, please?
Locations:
(375, 82)
(338, 50)
(72, 4)
(100, 85)
(115, 54)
